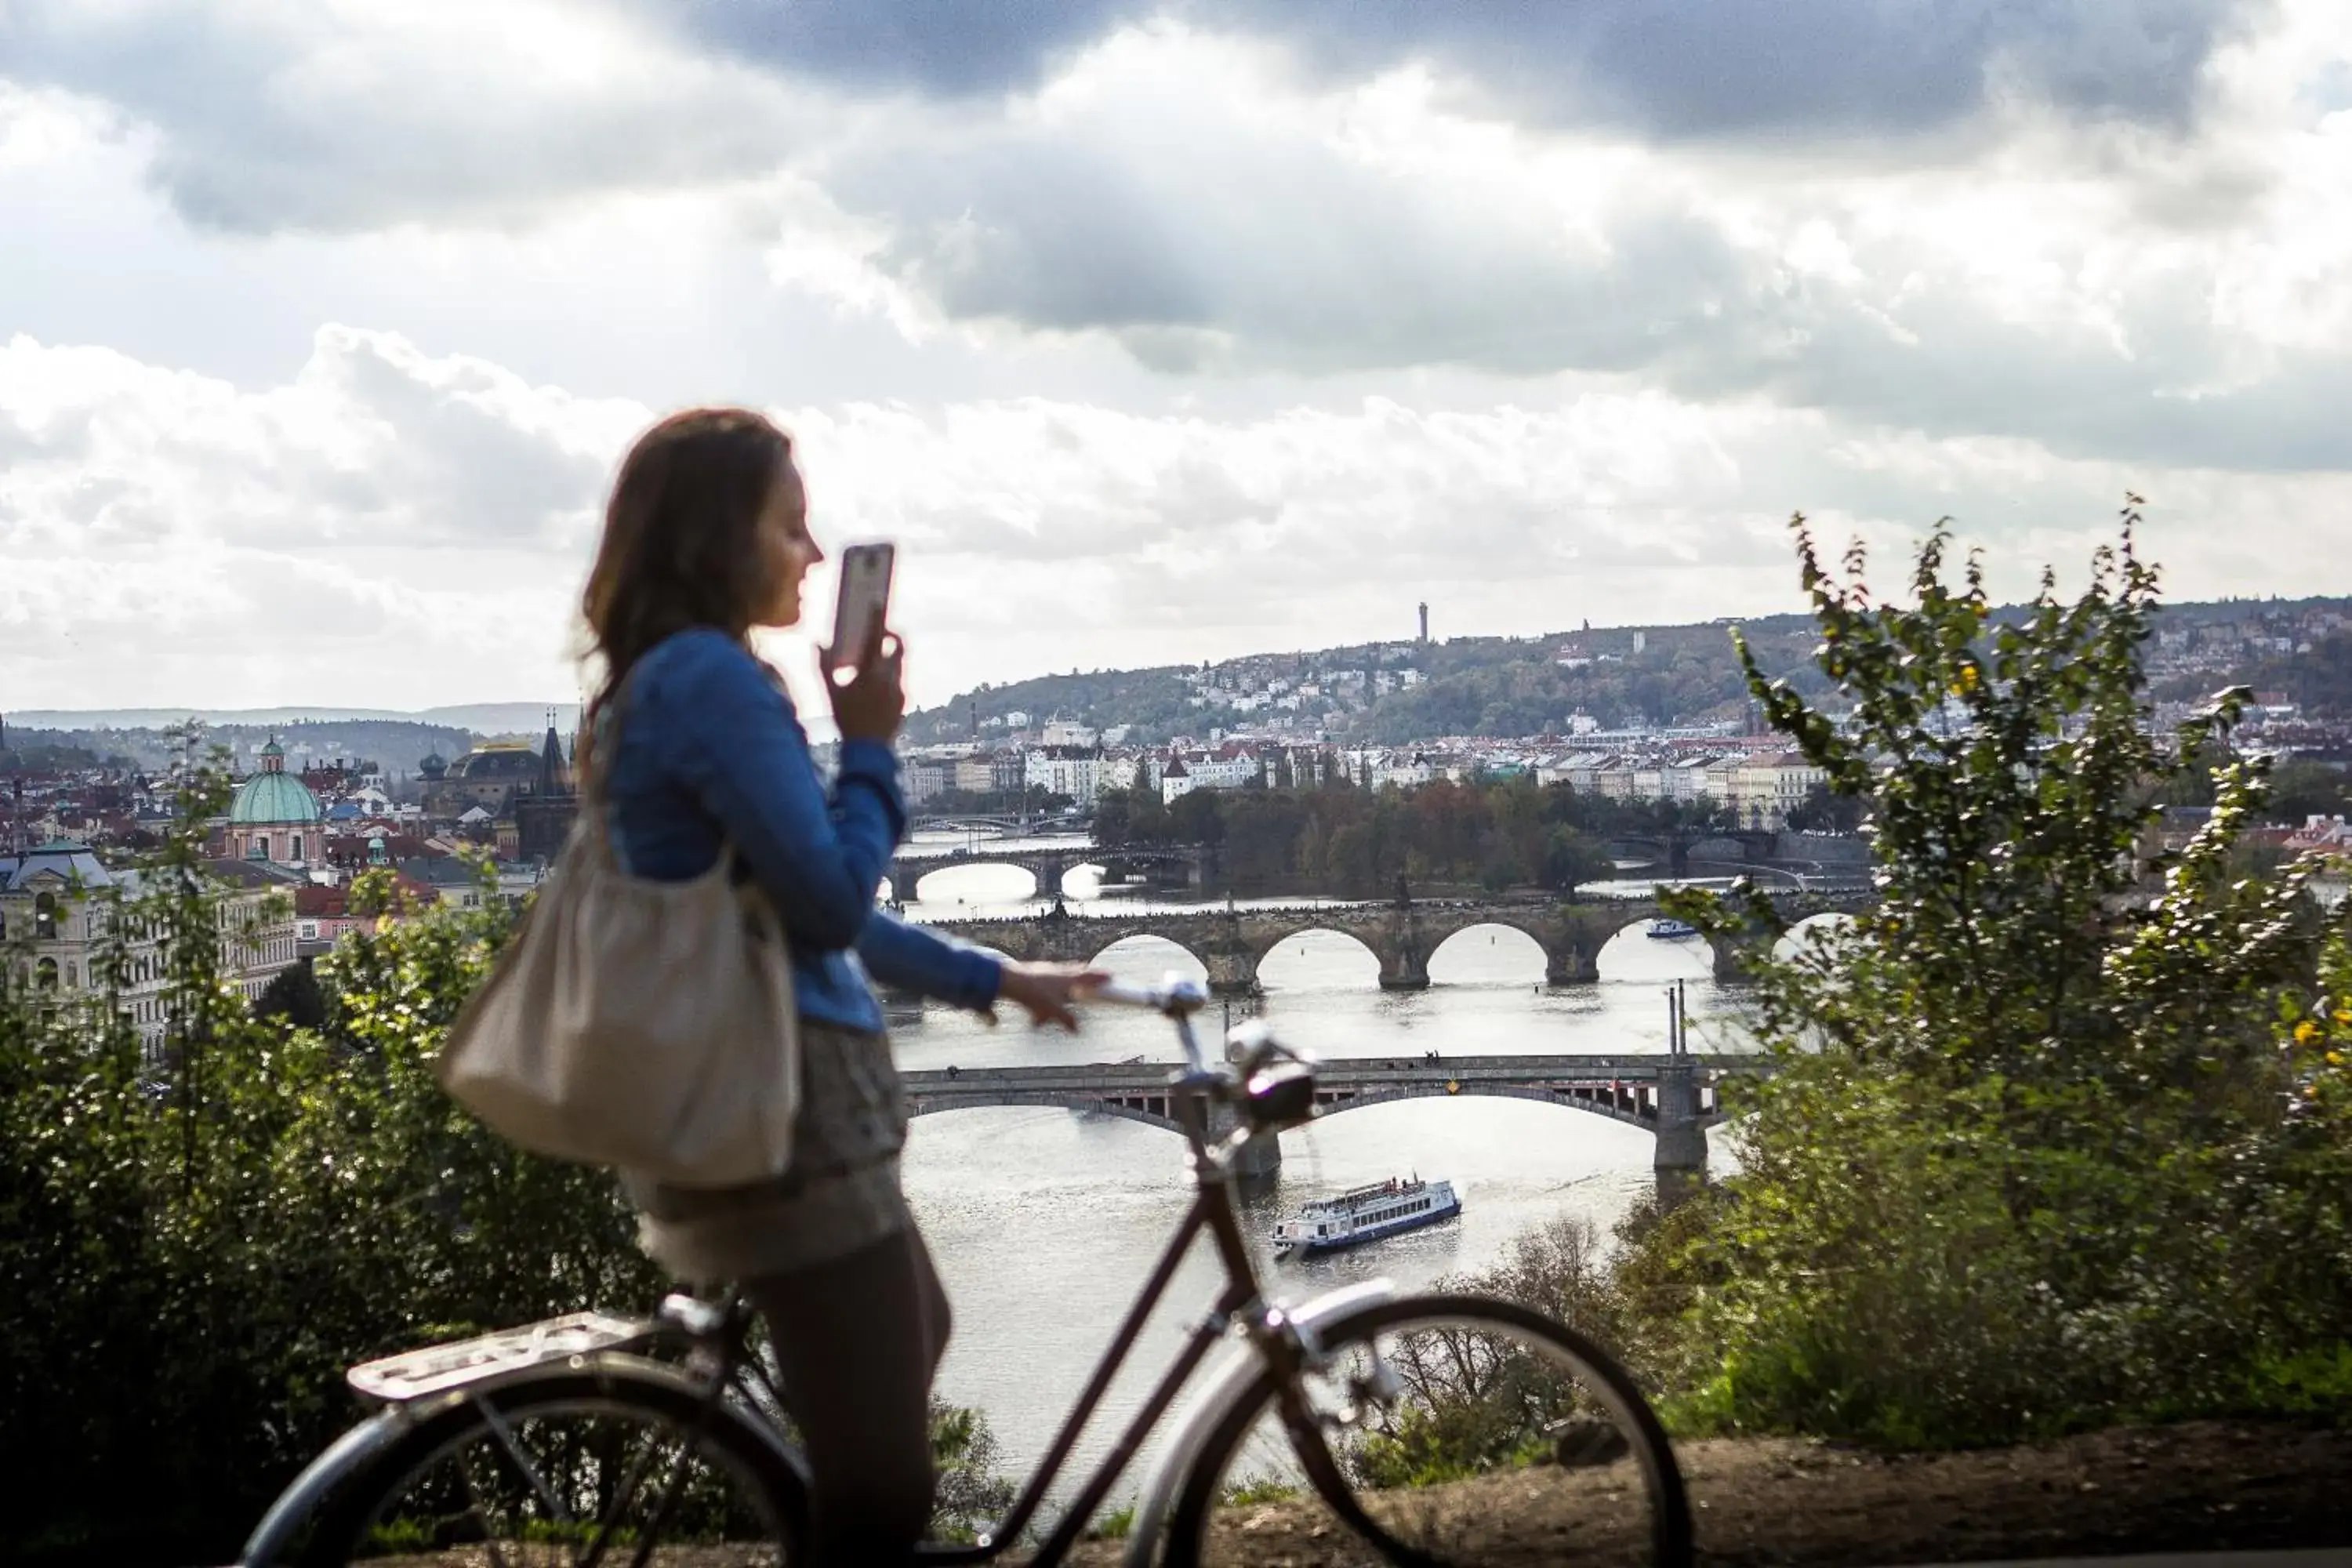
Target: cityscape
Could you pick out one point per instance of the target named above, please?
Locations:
(488, 822)
(1176, 784)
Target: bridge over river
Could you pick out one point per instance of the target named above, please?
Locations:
(1048, 861)
(1231, 943)
(1672, 1096)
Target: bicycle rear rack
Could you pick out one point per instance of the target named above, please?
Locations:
(435, 1368)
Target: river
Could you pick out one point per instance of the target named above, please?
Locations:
(1045, 1222)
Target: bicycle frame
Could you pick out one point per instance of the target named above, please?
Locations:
(1212, 1210)
(700, 1352)
(719, 1357)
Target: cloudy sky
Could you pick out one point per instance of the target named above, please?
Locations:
(1153, 329)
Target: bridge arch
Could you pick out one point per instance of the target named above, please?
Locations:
(1145, 955)
(1627, 1105)
(1631, 953)
(1794, 941)
(1532, 944)
(1270, 958)
(1142, 1112)
(918, 872)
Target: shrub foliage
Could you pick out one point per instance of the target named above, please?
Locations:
(197, 1249)
(2056, 1133)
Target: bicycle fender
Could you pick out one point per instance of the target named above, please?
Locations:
(346, 1457)
(1224, 1388)
(351, 1453)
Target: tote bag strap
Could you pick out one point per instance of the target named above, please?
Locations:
(603, 749)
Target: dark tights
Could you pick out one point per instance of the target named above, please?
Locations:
(856, 1342)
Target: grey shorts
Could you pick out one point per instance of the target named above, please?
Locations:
(840, 1195)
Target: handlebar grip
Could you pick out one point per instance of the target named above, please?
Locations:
(1127, 994)
(1174, 997)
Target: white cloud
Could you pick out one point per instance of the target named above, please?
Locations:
(373, 442)
(1151, 341)
(1803, 70)
(1182, 195)
(2134, 251)
(337, 115)
(391, 526)
(386, 519)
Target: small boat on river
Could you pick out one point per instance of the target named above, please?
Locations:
(1366, 1214)
(1665, 928)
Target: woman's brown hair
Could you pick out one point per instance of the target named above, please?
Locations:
(681, 544)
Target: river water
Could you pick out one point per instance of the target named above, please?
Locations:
(1046, 1222)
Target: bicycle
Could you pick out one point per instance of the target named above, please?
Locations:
(1358, 1427)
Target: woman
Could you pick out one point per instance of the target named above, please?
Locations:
(693, 746)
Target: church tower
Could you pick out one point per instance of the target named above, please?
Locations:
(543, 815)
(554, 773)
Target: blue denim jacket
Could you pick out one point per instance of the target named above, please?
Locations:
(705, 749)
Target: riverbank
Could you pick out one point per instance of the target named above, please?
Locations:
(1788, 1503)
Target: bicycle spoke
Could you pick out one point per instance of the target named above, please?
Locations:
(1315, 1457)
(505, 1435)
(1441, 1433)
(661, 1512)
(592, 1481)
(481, 1511)
(611, 1517)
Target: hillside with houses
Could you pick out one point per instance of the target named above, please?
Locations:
(1652, 714)
(1652, 680)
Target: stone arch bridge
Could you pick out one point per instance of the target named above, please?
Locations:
(1231, 943)
(1713, 847)
(1672, 1096)
(973, 821)
(1049, 863)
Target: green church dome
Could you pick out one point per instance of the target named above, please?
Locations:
(273, 797)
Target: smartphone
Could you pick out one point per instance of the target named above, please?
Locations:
(864, 606)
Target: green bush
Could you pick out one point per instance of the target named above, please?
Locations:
(972, 1493)
(2041, 1148)
(197, 1250)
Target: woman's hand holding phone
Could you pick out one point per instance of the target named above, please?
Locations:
(869, 699)
(861, 668)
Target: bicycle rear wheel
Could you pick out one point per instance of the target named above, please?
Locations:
(605, 1464)
(1438, 1430)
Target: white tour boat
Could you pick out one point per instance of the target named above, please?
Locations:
(1665, 928)
(1367, 1214)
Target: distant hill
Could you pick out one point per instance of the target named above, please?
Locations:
(1387, 693)
(1617, 676)
(1154, 700)
(1463, 686)
(485, 718)
(398, 744)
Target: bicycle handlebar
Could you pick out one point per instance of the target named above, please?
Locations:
(1175, 999)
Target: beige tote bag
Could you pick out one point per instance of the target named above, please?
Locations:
(644, 1025)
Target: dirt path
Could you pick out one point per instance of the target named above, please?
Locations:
(1769, 1502)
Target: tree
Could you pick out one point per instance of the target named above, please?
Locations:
(973, 1492)
(2031, 1155)
(1823, 810)
(2302, 790)
(216, 1235)
(1573, 858)
(1113, 817)
(203, 1245)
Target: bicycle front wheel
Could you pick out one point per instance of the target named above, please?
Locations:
(1438, 1430)
(598, 1464)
